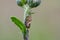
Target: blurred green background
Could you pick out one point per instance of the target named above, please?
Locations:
(45, 22)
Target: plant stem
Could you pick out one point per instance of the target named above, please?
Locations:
(27, 20)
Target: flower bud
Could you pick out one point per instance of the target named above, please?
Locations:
(33, 3)
(21, 2)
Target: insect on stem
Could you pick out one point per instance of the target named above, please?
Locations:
(27, 20)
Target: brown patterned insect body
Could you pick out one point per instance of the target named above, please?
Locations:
(28, 21)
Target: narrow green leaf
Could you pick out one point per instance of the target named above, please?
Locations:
(19, 24)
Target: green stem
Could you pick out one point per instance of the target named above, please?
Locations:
(26, 11)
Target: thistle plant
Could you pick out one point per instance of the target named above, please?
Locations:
(24, 26)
